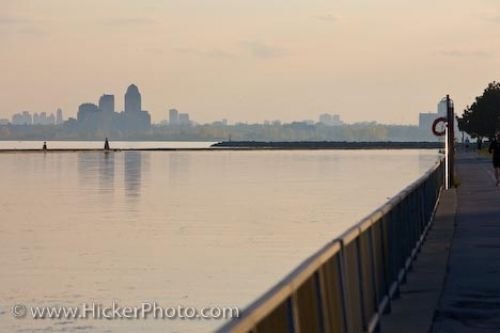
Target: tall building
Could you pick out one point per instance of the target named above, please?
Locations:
(40, 118)
(173, 117)
(183, 119)
(442, 107)
(59, 117)
(107, 103)
(86, 111)
(134, 119)
(133, 99)
(28, 119)
(50, 119)
(23, 118)
(104, 118)
(330, 119)
(425, 120)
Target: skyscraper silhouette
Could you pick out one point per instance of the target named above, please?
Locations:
(59, 117)
(87, 112)
(133, 99)
(104, 118)
(107, 103)
(173, 117)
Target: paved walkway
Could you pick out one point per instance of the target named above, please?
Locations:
(414, 310)
(455, 282)
(470, 301)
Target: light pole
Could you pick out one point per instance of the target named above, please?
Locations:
(450, 137)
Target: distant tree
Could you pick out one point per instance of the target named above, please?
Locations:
(482, 118)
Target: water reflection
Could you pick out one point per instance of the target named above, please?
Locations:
(87, 168)
(133, 173)
(106, 172)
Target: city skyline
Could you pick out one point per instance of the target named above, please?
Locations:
(42, 118)
(250, 61)
(108, 103)
(133, 103)
(103, 116)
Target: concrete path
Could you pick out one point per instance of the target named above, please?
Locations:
(414, 310)
(470, 301)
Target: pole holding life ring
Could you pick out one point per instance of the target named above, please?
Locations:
(436, 123)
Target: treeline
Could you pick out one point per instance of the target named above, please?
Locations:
(481, 119)
(237, 132)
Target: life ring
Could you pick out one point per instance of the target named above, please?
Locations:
(434, 125)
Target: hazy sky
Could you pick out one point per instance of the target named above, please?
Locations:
(249, 60)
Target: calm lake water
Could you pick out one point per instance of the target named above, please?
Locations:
(192, 228)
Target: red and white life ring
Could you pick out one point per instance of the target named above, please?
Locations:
(436, 123)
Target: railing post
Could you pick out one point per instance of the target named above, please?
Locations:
(376, 292)
(343, 291)
(291, 315)
(295, 313)
(385, 261)
(320, 299)
(360, 282)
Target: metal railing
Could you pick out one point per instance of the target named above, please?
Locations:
(348, 284)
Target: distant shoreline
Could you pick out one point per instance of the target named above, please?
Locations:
(117, 150)
(328, 145)
(256, 145)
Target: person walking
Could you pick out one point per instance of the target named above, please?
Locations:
(495, 150)
(44, 147)
(106, 145)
